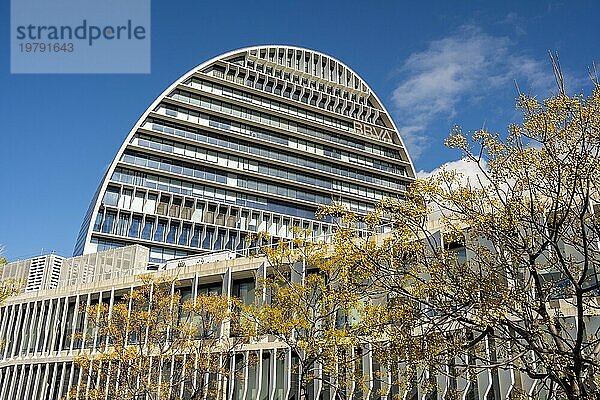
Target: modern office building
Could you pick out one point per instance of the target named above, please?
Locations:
(36, 273)
(252, 140)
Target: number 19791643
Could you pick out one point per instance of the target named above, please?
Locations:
(42, 47)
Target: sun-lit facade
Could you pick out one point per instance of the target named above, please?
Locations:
(252, 140)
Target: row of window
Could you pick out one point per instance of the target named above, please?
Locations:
(327, 69)
(194, 235)
(167, 165)
(263, 373)
(265, 71)
(267, 119)
(321, 66)
(199, 211)
(335, 99)
(29, 333)
(171, 232)
(142, 201)
(127, 176)
(85, 224)
(263, 151)
(209, 174)
(157, 254)
(53, 380)
(271, 104)
(239, 163)
(244, 129)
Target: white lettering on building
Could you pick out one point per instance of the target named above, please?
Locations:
(373, 131)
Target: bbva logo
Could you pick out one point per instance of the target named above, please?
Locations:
(373, 131)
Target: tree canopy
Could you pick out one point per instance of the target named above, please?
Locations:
(8, 287)
(156, 344)
(496, 275)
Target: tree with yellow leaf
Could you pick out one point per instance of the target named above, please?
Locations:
(155, 345)
(309, 307)
(4, 293)
(8, 287)
(488, 280)
(497, 277)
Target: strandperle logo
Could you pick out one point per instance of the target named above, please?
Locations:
(80, 36)
(85, 31)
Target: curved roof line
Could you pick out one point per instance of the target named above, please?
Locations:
(103, 185)
(371, 91)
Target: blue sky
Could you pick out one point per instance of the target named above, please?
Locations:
(433, 63)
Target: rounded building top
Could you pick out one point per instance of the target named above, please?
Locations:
(253, 139)
(320, 75)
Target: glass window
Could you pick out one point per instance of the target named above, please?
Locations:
(148, 229)
(150, 205)
(208, 238)
(122, 225)
(244, 290)
(242, 243)
(238, 380)
(109, 220)
(196, 237)
(134, 229)
(111, 196)
(172, 235)
(156, 254)
(295, 382)
(266, 384)
(98, 223)
(184, 236)
(252, 382)
(125, 200)
(138, 201)
(220, 239)
(159, 235)
(231, 242)
(280, 376)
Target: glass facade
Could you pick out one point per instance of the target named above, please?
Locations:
(254, 140)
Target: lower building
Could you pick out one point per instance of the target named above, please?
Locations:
(36, 327)
(38, 349)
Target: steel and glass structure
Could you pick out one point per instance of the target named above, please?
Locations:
(252, 140)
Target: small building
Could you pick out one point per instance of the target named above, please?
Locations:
(36, 273)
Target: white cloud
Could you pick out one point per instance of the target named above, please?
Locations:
(465, 66)
(468, 171)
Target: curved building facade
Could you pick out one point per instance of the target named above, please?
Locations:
(252, 140)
